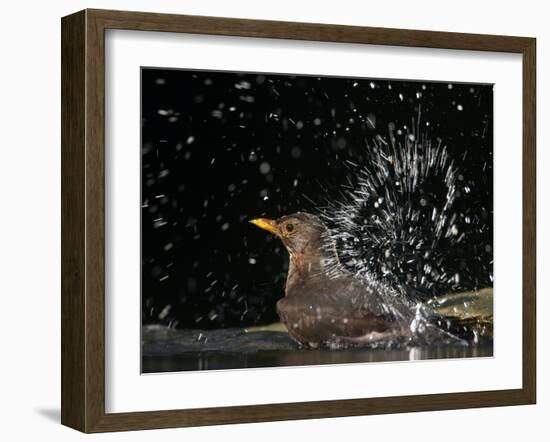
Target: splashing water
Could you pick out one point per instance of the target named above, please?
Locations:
(395, 227)
(397, 221)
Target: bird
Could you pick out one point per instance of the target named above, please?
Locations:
(325, 305)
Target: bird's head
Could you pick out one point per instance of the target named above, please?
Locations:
(301, 233)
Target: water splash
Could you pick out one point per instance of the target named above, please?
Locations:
(397, 221)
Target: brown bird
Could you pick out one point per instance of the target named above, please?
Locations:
(325, 304)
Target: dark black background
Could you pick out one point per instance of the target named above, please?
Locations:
(208, 139)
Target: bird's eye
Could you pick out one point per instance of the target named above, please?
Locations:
(289, 227)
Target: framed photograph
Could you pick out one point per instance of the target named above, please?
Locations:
(270, 220)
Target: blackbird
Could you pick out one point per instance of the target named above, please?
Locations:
(325, 305)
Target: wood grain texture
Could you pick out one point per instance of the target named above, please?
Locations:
(144, 21)
(83, 220)
(95, 221)
(529, 221)
(73, 129)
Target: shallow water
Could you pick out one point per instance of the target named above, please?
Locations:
(168, 350)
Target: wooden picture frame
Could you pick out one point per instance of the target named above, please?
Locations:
(83, 220)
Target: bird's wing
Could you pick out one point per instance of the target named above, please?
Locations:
(361, 304)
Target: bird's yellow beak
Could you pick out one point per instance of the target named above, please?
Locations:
(267, 224)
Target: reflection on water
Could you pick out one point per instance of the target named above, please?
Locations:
(279, 358)
(167, 350)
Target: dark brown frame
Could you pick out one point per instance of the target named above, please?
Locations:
(83, 216)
